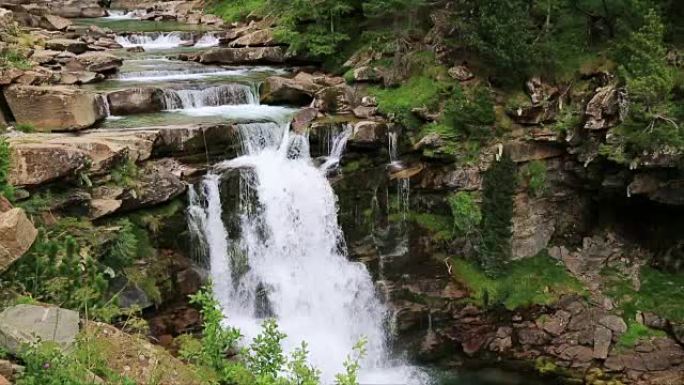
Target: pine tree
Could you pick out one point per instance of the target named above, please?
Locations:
(498, 187)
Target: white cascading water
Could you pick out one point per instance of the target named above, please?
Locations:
(339, 144)
(213, 96)
(207, 40)
(297, 270)
(152, 41)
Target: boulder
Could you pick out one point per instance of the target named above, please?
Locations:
(259, 38)
(24, 324)
(367, 74)
(56, 108)
(249, 55)
(79, 77)
(76, 8)
(135, 101)
(17, 234)
(369, 132)
(525, 151)
(363, 112)
(6, 17)
(157, 185)
(604, 109)
(461, 73)
(71, 45)
(602, 339)
(99, 62)
(54, 22)
(303, 118)
(297, 91)
(33, 164)
(44, 56)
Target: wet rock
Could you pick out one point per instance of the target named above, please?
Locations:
(80, 77)
(604, 109)
(303, 118)
(70, 45)
(259, 38)
(463, 178)
(55, 108)
(193, 139)
(135, 101)
(24, 324)
(248, 55)
(17, 234)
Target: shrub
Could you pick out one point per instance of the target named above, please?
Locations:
(466, 213)
(535, 175)
(470, 114)
(498, 187)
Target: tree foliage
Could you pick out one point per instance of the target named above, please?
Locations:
(498, 187)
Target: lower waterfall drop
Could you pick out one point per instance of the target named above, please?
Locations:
(297, 268)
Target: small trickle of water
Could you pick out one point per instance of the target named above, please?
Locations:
(337, 147)
(232, 94)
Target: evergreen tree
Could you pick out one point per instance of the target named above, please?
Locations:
(498, 187)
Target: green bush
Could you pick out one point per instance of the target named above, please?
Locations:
(416, 92)
(466, 213)
(263, 362)
(535, 176)
(470, 114)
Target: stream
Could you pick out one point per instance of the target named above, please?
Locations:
(279, 252)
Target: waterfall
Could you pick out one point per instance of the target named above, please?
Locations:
(339, 143)
(119, 14)
(289, 260)
(207, 40)
(152, 41)
(230, 94)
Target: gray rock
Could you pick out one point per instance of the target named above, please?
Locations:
(614, 323)
(24, 324)
(602, 339)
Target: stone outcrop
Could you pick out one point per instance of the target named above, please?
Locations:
(98, 62)
(250, 55)
(259, 38)
(603, 110)
(71, 45)
(55, 108)
(25, 324)
(135, 101)
(17, 234)
(298, 91)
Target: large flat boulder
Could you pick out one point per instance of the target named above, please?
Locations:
(248, 55)
(99, 62)
(298, 91)
(17, 234)
(25, 324)
(70, 45)
(41, 158)
(135, 101)
(259, 38)
(55, 108)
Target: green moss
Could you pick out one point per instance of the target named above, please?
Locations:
(659, 293)
(635, 333)
(439, 225)
(533, 281)
(418, 91)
